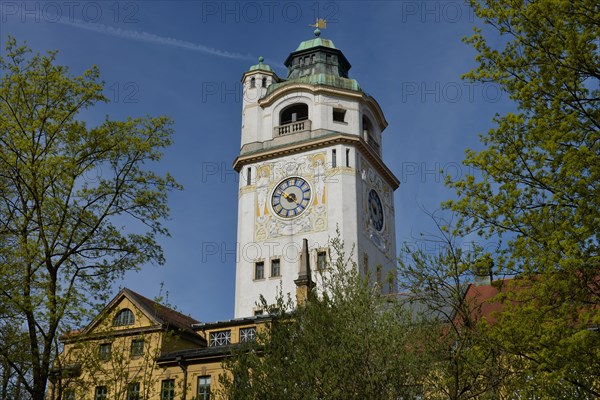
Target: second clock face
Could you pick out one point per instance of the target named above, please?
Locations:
(291, 197)
(375, 210)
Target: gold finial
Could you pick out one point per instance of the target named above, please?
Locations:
(320, 24)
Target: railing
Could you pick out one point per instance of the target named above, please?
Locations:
(292, 127)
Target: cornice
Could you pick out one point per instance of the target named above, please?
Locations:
(316, 143)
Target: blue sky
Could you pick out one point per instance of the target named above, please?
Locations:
(185, 59)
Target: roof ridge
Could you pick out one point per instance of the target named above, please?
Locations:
(145, 299)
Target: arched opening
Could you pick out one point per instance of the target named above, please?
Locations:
(124, 317)
(369, 134)
(264, 82)
(293, 113)
(367, 128)
(253, 82)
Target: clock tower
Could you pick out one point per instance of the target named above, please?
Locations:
(310, 164)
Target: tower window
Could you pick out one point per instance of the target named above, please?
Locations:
(321, 260)
(275, 267)
(248, 176)
(333, 158)
(293, 113)
(347, 157)
(259, 270)
(253, 82)
(366, 264)
(264, 82)
(339, 115)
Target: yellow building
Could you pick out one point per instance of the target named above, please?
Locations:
(137, 348)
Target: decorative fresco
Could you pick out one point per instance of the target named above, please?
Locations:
(291, 196)
(377, 207)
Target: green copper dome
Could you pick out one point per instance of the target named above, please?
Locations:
(307, 44)
(260, 66)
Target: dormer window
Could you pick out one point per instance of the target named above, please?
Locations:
(124, 317)
(293, 113)
(253, 82)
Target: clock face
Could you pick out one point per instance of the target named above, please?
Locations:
(291, 197)
(375, 210)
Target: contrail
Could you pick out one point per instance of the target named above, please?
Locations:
(152, 38)
(140, 36)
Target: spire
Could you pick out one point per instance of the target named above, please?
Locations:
(304, 283)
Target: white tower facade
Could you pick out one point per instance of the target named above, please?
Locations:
(310, 164)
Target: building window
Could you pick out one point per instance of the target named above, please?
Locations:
(101, 393)
(321, 260)
(203, 388)
(366, 264)
(124, 317)
(248, 176)
(247, 334)
(137, 347)
(167, 389)
(333, 159)
(253, 82)
(259, 270)
(258, 312)
(104, 351)
(275, 267)
(264, 82)
(133, 391)
(379, 268)
(69, 394)
(339, 115)
(347, 157)
(220, 338)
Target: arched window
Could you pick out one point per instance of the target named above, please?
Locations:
(124, 317)
(264, 82)
(367, 129)
(293, 113)
(369, 134)
(253, 82)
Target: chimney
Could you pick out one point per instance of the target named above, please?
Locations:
(304, 283)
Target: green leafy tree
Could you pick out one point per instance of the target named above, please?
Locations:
(66, 192)
(464, 361)
(349, 341)
(539, 185)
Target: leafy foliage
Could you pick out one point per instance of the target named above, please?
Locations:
(349, 341)
(465, 362)
(539, 187)
(66, 193)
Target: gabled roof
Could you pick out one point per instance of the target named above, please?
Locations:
(156, 312)
(162, 314)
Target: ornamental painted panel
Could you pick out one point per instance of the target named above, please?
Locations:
(377, 208)
(291, 197)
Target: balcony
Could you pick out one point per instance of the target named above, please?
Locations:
(292, 127)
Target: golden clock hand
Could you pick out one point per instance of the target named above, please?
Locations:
(289, 198)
